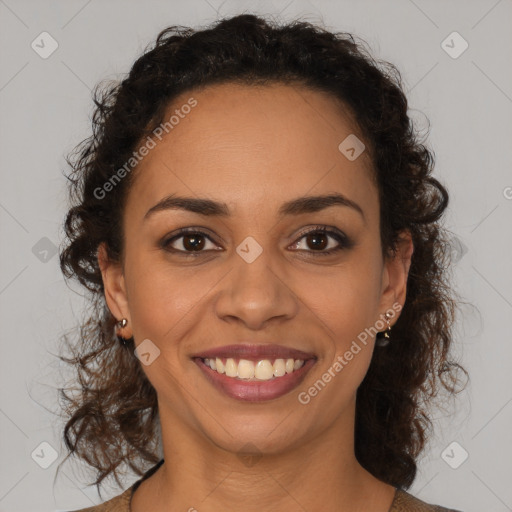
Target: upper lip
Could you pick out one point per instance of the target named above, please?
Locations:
(255, 351)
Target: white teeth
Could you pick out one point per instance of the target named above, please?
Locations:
(297, 364)
(220, 365)
(260, 370)
(264, 370)
(245, 369)
(279, 368)
(231, 368)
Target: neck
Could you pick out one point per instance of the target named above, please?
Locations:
(320, 473)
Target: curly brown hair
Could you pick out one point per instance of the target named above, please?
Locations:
(113, 418)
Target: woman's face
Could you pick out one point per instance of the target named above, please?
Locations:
(256, 276)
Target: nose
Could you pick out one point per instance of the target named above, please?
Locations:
(256, 292)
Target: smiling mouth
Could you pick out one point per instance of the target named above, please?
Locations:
(253, 370)
(254, 389)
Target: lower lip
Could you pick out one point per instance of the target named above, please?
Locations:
(254, 391)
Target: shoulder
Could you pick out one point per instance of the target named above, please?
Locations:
(405, 502)
(119, 503)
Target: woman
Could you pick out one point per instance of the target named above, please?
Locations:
(259, 229)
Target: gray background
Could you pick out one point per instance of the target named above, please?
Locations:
(44, 111)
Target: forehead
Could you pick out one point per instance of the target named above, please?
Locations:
(253, 145)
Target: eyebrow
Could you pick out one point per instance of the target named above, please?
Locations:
(207, 207)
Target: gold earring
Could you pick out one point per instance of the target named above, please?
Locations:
(121, 324)
(383, 340)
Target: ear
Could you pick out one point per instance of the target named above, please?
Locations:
(113, 284)
(395, 274)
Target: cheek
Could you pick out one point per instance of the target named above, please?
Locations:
(346, 306)
(164, 306)
(168, 302)
(159, 297)
(345, 310)
(347, 317)
(346, 301)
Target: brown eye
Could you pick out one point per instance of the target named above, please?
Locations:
(317, 241)
(188, 241)
(193, 242)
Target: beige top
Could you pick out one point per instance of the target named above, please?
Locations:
(403, 501)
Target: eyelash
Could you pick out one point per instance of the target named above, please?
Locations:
(344, 241)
